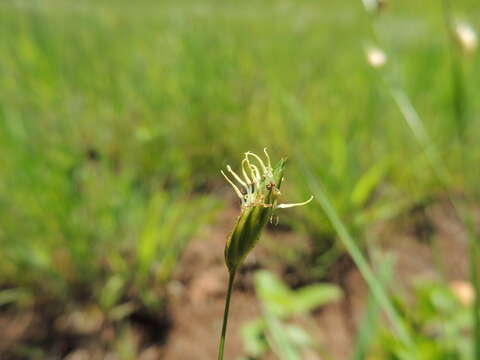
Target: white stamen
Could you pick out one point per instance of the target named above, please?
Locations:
(286, 206)
(239, 193)
(249, 167)
(260, 161)
(255, 173)
(268, 158)
(245, 162)
(236, 176)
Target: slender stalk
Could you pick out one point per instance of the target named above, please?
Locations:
(369, 323)
(460, 107)
(231, 278)
(375, 285)
(459, 102)
(459, 94)
(473, 251)
(418, 129)
(473, 254)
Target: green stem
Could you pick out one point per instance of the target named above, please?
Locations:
(225, 314)
(375, 285)
(473, 251)
(416, 125)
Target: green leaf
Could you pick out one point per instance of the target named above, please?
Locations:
(253, 334)
(18, 296)
(111, 292)
(368, 182)
(313, 296)
(283, 302)
(298, 336)
(273, 293)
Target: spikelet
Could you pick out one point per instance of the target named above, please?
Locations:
(259, 191)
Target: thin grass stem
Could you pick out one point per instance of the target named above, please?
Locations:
(231, 278)
(420, 133)
(375, 285)
(460, 103)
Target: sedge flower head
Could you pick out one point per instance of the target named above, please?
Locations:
(258, 188)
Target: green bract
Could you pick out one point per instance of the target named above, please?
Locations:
(260, 191)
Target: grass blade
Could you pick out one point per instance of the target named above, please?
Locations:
(369, 322)
(376, 287)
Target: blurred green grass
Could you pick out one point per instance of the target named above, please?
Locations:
(115, 118)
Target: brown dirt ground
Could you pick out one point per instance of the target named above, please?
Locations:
(196, 294)
(197, 297)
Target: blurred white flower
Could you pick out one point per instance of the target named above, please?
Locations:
(370, 5)
(376, 57)
(466, 36)
(374, 5)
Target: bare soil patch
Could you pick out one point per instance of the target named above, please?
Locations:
(190, 326)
